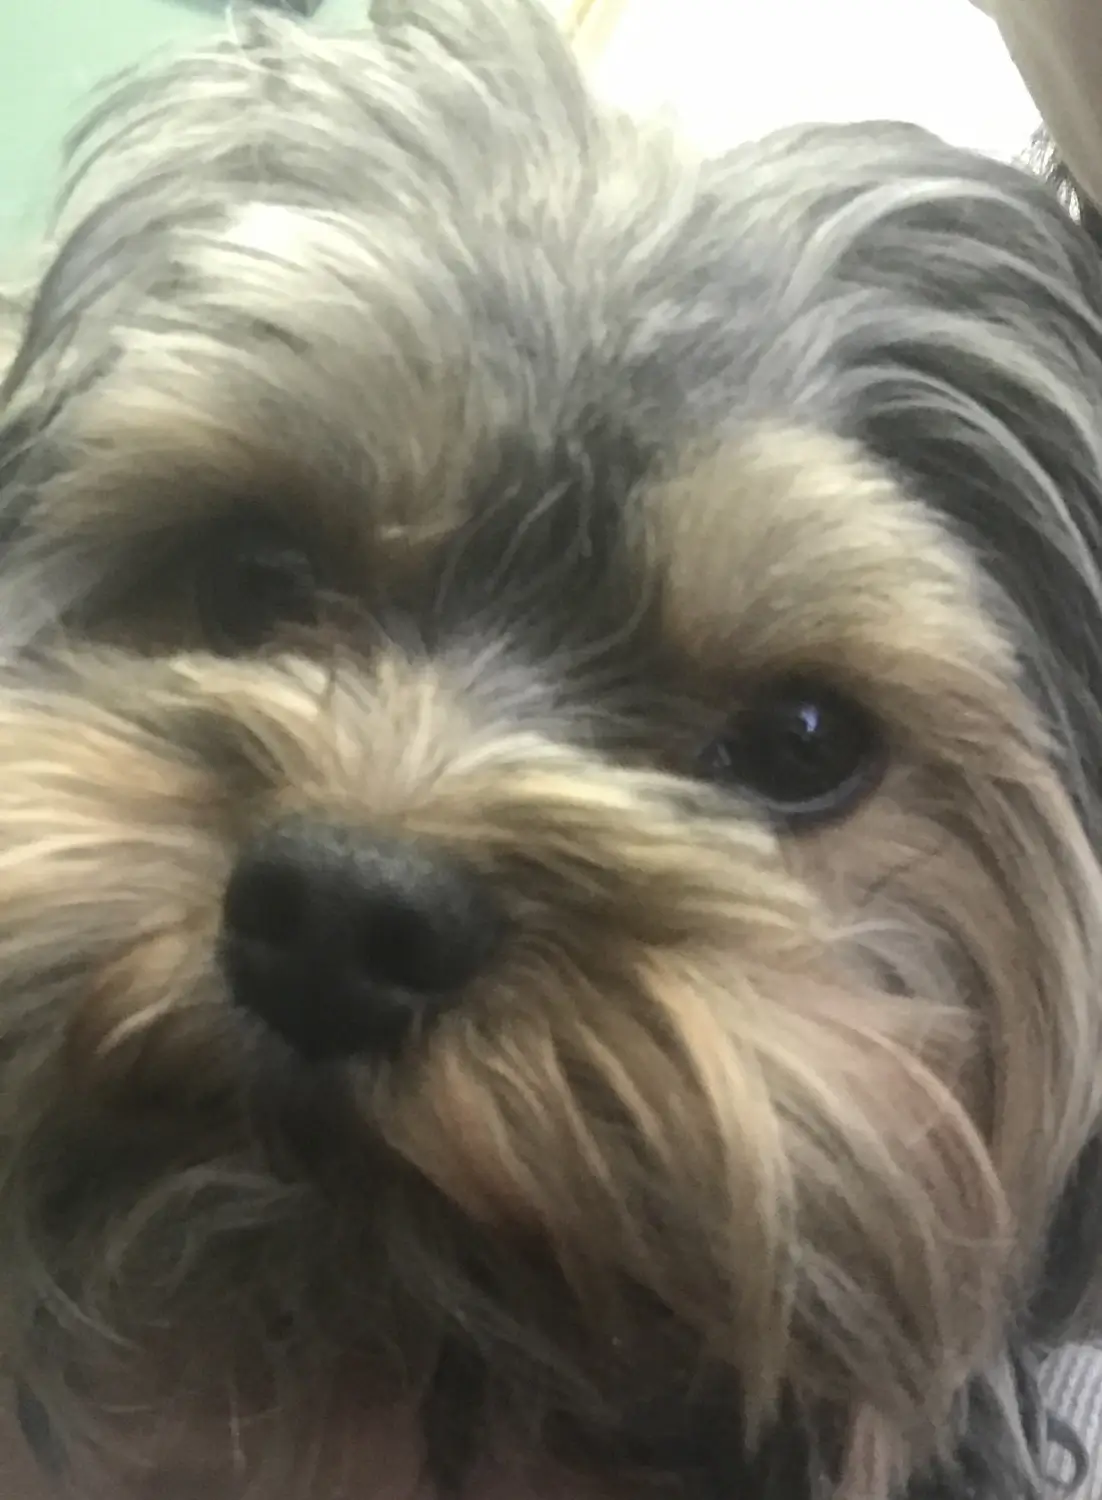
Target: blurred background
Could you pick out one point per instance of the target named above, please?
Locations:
(729, 68)
(736, 68)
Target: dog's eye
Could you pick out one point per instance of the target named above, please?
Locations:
(250, 582)
(803, 750)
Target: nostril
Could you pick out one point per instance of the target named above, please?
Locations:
(266, 903)
(431, 945)
(388, 944)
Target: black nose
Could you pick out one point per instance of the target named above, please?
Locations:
(341, 941)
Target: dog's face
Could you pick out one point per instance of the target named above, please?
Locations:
(545, 892)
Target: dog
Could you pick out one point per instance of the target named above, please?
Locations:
(550, 902)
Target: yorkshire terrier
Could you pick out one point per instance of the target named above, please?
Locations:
(550, 888)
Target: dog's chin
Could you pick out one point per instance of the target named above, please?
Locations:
(349, 1441)
(448, 1325)
(379, 1455)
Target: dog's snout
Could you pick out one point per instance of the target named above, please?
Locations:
(341, 940)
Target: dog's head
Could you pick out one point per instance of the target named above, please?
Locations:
(546, 778)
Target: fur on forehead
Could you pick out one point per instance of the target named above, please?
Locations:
(449, 248)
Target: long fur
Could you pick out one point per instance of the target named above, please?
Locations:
(766, 1164)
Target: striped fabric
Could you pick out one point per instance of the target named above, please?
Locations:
(1071, 1385)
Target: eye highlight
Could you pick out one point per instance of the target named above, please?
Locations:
(251, 581)
(801, 749)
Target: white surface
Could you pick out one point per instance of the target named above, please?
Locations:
(732, 69)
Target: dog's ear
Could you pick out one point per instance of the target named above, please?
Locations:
(1067, 1299)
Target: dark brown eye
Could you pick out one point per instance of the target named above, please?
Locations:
(803, 750)
(251, 581)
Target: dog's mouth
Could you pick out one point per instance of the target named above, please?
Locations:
(606, 1405)
(687, 1444)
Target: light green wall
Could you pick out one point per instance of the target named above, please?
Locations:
(52, 54)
